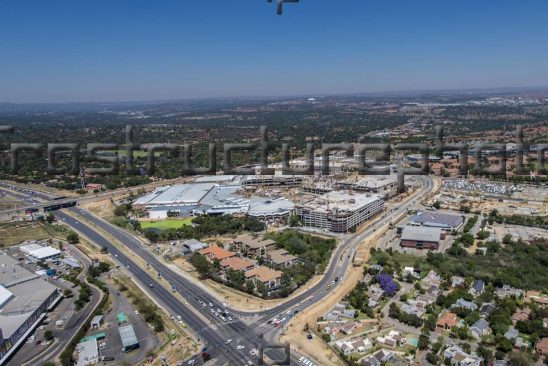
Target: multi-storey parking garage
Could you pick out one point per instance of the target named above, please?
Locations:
(339, 211)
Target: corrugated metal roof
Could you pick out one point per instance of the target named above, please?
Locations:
(419, 233)
(127, 334)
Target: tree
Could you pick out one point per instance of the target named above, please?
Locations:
(485, 353)
(201, 264)
(432, 358)
(48, 335)
(437, 205)
(121, 210)
(50, 217)
(424, 342)
(387, 284)
(152, 235)
(294, 220)
(249, 286)
(519, 359)
(67, 293)
(261, 288)
(73, 238)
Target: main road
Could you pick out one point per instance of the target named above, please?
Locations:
(216, 332)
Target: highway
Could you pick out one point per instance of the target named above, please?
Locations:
(217, 332)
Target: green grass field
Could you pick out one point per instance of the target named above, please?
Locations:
(166, 224)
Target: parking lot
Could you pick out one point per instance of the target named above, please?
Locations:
(111, 346)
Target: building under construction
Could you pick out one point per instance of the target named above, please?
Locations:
(339, 211)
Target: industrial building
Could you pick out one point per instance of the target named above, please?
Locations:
(38, 252)
(25, 299)
(436, 219)
(339, 211)
(88, 352)
(421, 237)
(129, 339)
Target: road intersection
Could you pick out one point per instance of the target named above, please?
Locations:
(216, 332)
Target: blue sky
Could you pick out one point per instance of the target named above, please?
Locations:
(116, 50)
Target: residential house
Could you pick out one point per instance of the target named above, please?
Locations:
(432, 278)
(252, 247)
(237, 264)
(458, 357)
(267, 276)
(392, 340)
(477, 287)
(359, 346)
(350, 327)
(216, 253)
(536, 296)
(383, 355)
(375, 295)
(414, 307)
(410, 271)
(446, 321)
(457, 281)
(461, 303)
(512, 333)
(281, 257)
(486, 309)
(542, 347)
(480, 328)
(521, 314)
(370, 360)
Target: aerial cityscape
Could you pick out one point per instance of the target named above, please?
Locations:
(273, 183)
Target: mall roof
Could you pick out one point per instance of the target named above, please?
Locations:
(5, 295)
(182, 194)
(27, 297)
(11, 273)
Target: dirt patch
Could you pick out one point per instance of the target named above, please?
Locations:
(11, 234)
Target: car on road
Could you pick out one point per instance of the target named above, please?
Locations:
(240, 346)
(228, 341)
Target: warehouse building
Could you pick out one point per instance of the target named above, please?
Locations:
(339, 211)
(25, 299)
(88, 352)
(436, 219)
(37, 252)
(421, 237)
(129, 339)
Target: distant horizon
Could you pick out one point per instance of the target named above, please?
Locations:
(394, 93)
(109, 51)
